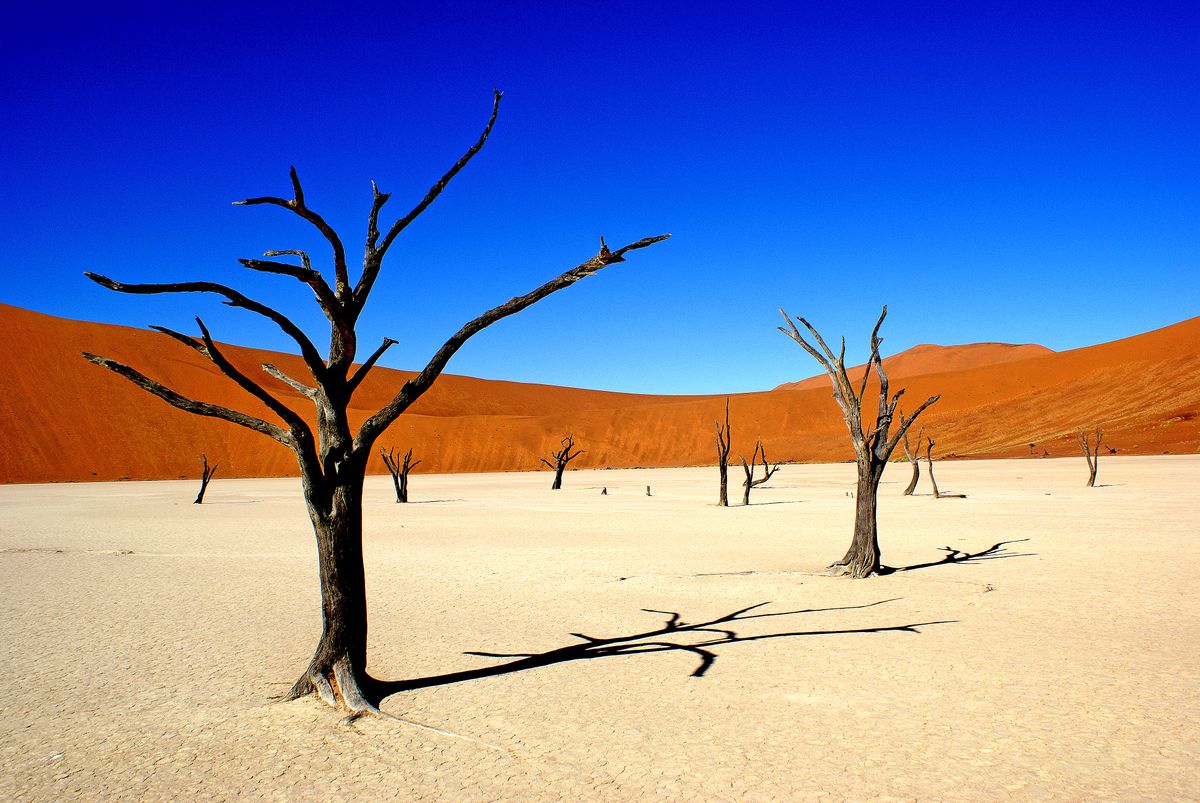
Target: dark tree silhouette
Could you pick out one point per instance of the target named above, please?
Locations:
(915, 459)
(561, 458)
(750, 481)
(929, 443)
(399, 470)
(724, 440)
(333, 460)
(1091, 453)
(872, 446)
(206, 475)
(768, 469)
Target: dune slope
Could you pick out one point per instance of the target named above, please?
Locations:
(63, 419)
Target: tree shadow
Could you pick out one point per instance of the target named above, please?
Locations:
(994, 552)
(712, 633)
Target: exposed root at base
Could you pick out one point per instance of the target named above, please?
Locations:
(356, 701)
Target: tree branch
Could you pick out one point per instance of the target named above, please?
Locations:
(312, 357)
(296, 205)
(191, 405)
(299, 387)
(374, 258)
(413, 388)
(361, 373)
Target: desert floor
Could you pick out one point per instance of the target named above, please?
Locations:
(143, 637)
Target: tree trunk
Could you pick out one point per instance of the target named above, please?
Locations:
(862, 559)
(402, 487)
(916, 463)
(558, 474)
(339, 662)
(723, 501)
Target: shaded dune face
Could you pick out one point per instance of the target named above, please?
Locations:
(63, 419)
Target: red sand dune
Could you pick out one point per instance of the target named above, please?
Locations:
(62, 418)
(930, 359)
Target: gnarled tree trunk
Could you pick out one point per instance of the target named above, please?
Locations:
(873, 446)
(914, 459)
(724, 439)
(1091, 453)
(206, 475)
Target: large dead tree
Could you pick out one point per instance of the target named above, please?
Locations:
(399, 470)
(724, 440)
(1091, 453)
(206, 475)
(873, 444)
(561, 458)
(333, 459)
(915, 459)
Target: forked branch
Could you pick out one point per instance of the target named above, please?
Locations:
(411, 390)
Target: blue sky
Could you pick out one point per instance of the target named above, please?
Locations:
(993, 172)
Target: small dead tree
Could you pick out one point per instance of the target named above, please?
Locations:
(561, 458)
(872, 445)
(768, 469)
(333, 459)
(724, 440)
(1091, 453)
(206, 474)
(915, 459)
(399, 470)
(932, 480)
(748, 468)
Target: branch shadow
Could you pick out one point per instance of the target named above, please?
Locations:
(996, 551)
(713, 633)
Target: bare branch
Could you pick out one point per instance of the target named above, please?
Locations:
(312, 357)
(299, 387)
(374, 258)
(191, 405)
(361, 373)
(378, 199)
(413, 388)
(296, 205)
(325, 297)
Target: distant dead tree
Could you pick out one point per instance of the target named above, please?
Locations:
(1091, 453)
(724, 440)
(748, 468)
(915, 459)
(872, 446)
(333, 459)
(929, 462)
(561, 458)
(206, 475)
(399, 470)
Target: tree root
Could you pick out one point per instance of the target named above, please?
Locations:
(354, 699)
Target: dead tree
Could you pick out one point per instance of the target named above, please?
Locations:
(561, 458)
(206, 474)
(399, 470)
(750, 482)
(333, 458)
(724, 440)
(915, 459)
(932, 480)
(1091, 453)
(768, 469)
(872, 445)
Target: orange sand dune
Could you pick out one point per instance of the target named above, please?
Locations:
(930, 359)
(63, 419)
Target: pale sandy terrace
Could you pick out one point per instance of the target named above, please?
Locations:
(142, 636)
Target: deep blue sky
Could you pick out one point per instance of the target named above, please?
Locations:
(1007, 172)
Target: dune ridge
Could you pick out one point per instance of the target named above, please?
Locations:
(63, 419)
